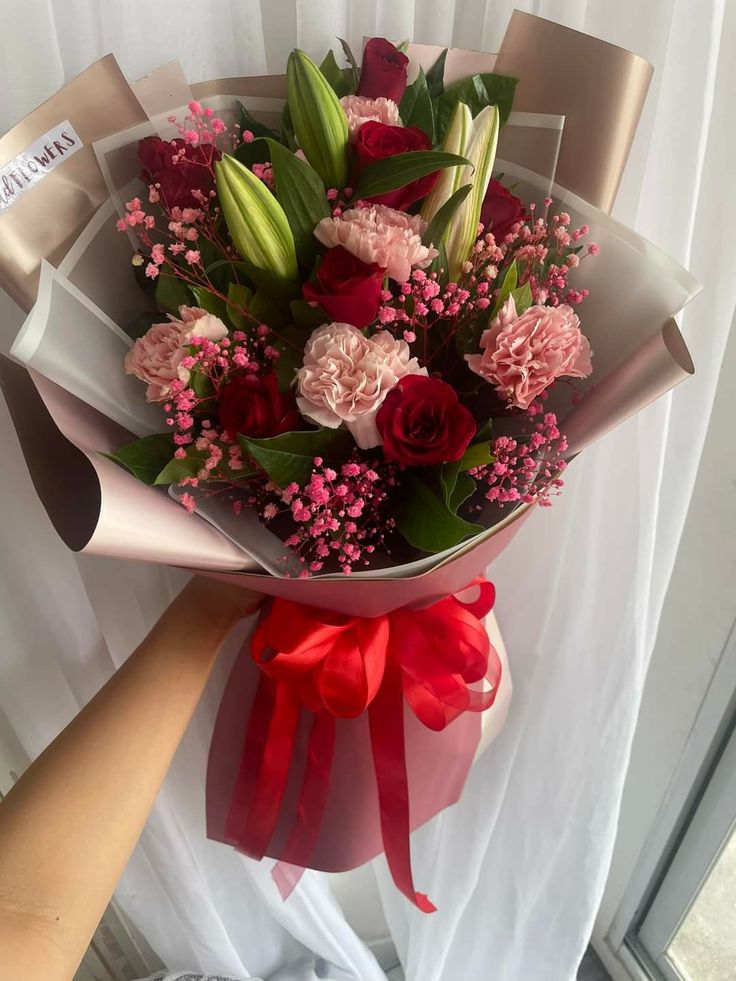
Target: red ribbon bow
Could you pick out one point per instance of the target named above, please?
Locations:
(337, 666)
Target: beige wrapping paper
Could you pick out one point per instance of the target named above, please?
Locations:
(554, 63)
(45, 222)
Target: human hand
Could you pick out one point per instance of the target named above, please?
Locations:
(217, 603)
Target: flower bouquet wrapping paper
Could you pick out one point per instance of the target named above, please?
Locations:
(371, 315)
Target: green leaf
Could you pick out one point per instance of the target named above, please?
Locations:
(523, 298)
(507, 286)
(290, 457)
(484, 433)
(171, 293)
(436, 75)
(424, 518)
(268, 309)
(255, 151)
(341, 79)
(248, 121)
(145, 458)
(306, 316)
(189, 466)
(416, 106)
(301, 194)
(464, 488)
(211, 303)
(348, 51)
(290, 345)
(477, 455)
(392, 172)
(438, 225)
(476, 92)
(238, 300)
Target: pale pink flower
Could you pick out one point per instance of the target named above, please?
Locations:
(360, 109)
(346, 376)
(523, 355)
(156, 357)
(379, 234)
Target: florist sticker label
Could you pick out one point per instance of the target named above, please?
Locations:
(20, 174)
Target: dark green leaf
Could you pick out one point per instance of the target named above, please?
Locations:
(416, 106)
(476, 92)
(341, 79)
(268, 309)
(219, 275)
(506, 286)
(301, 194)
(290, 345)
(145, 458)
(171, 293)
(142, 324)
(438, 225)
(425, 520)
(477, 455)
(306, 316)
(189, 466)
(436, 76)
(211, 303)
(238, 300)
(392, 172)
(255, 151)
(290, 457)
(464, 488)
(248, 122)
(351, 61)
(523, 298)
(484, 433)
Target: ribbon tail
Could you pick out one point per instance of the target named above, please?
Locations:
(264, 769)
(311, 804)
(386, 722)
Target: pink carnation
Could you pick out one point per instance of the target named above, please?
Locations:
(379, 234)
(346, 376)
(360, 109)
(156, 357)
(523, 355)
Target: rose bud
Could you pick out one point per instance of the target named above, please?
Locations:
(383, 72)
(376, 141)
(501, 211)
(347, 289)
(250, 405)
(422, 422)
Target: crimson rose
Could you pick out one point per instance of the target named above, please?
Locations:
(383, 72)
(253, 406)
(192, 171)
(376, 141)
(501, 210)
(421, 422)
(347, 289)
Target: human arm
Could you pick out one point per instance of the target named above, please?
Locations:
(69, 825)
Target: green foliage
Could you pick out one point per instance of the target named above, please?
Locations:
(306, 316)
(476, 92)
(416, 106)
(523, 298)
(476, 455)
(506, 287)
(211, 303)
(256, 151)
(392, 172)
(238, 300)
(423, 515)
(145, 458)
(341, 79)
(290, 345)
(355, 71)
(436, 76)
(437, 227)
(171, 293)
(290, 457)
(189, 466)
(301, 194)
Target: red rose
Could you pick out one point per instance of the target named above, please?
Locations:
(383, 72)
(253, 406)
(347, 289)
(376, 141)
(193, 171)
(501, 209)
(422, 421)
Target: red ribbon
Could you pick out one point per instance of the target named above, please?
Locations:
(338, 666)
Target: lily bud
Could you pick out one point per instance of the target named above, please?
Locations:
(481, 153)
(256, 221)
(319, 120)
(457, 139)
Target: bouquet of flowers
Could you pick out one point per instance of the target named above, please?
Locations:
(372, 332)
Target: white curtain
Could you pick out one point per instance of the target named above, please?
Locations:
(518, 866)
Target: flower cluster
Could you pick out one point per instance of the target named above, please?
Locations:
(323, 323)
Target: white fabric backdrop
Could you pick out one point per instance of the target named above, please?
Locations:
(519, 865)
